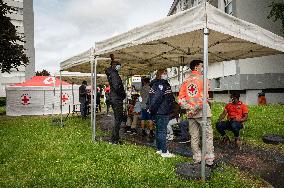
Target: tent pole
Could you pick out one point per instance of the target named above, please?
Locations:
(92, 89)
(95, 97)
(204, 102)
(61, 118)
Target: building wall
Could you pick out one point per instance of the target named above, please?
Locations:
(253, 75)
(256, 11)
(24, 19)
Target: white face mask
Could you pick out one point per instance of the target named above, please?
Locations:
(164, 76)
(140, 99)
(118, 67)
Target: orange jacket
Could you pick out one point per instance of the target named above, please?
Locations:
(191, 93)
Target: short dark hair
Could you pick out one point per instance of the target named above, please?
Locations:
(84, 82)
(236, 94)
(146, 80)
(194, 64)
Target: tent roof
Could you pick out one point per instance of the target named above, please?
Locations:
(178, 39)
(41, 81)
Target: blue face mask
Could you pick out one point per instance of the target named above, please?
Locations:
(118, 67)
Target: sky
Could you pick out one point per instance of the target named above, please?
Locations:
(65, 28)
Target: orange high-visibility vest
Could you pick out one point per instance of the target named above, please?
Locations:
(191, 92)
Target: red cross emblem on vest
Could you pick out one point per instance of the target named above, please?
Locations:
(192, 89)
(64, 98)
(25, 99)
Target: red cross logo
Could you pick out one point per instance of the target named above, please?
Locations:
(25, 99)
(192, 89)
(64, 98)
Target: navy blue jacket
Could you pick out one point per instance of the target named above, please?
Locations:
(161, 98)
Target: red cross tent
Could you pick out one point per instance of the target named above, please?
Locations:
(40, 96)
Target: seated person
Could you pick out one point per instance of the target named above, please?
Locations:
(130, 112)
(174, 119)
(237, 113)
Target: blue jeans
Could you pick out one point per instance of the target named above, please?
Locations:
(184, 129)
(83, 109)
(233, 126)
(161, 131)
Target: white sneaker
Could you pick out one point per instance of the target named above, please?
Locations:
(108, 115)
(170, 137)
(167, 155)
(159, 152)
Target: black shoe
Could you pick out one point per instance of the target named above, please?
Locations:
(115, 142)
(133, 131)
(151, 134)
(127, 129)
(225, 140)
(144, 133)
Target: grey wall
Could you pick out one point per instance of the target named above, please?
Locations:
(256, 11)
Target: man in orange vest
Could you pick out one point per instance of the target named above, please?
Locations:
(237, 113)
(190, 98)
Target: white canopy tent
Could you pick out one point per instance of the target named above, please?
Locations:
(203, 32)
(41, 96)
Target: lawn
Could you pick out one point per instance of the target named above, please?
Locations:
(262, 120)
(36, 154)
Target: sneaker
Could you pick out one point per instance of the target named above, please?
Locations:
(167, 155)
(225, 140)
(144, 133)
(128, 129)
(170, 137)
(115, 142)
(151, 134)
(159, 152)
(108, 115)
(133, 131)
(238, 142)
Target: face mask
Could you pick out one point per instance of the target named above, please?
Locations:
(140, 99)
(118, 67)
(164, 76)
(234, 100)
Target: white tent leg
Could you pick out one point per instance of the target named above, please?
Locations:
(61, 117)
(204, 101)
(95, 97)
(92, 90)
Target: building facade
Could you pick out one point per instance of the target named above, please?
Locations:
(23, 19)
(248, 76)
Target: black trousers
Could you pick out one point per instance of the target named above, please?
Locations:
(118, 117)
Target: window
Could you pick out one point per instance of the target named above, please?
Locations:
(228, 6)
(217, 83)
(18, 10)
(17, 23)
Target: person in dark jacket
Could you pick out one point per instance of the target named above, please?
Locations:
(83, 99)
(159, 104)
(117, 95)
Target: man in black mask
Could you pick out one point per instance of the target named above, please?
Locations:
(117, 95)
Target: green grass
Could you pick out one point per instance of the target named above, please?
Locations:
(35, 154)
(262, 120)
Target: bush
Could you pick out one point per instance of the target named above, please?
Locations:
(2, 101)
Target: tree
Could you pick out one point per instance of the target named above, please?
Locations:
(277, 13)
(12, 53)
(42, 73)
